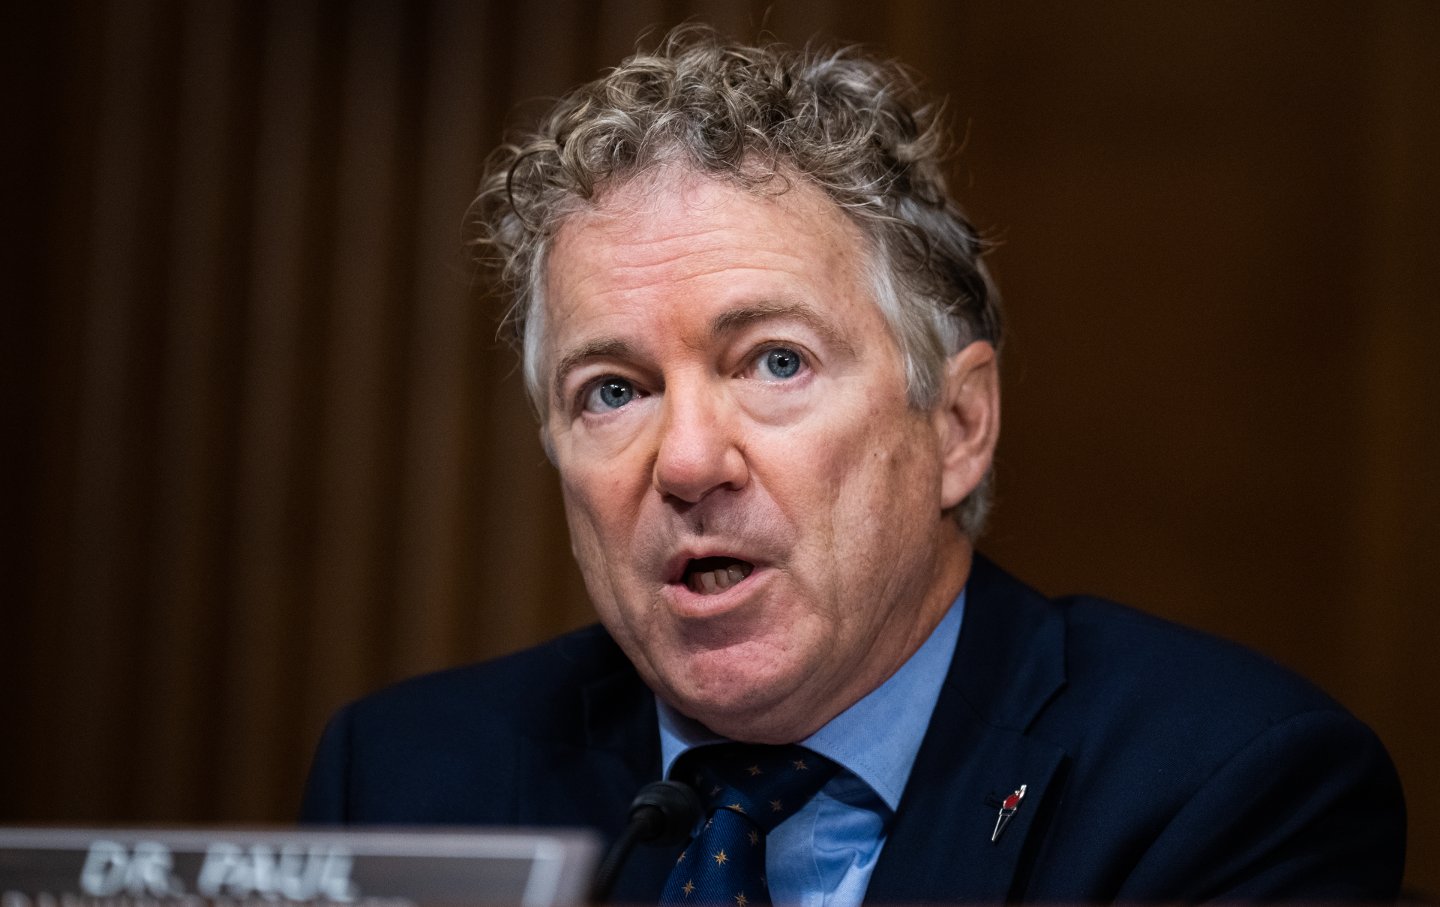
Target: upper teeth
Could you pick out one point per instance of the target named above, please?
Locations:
(717, 580)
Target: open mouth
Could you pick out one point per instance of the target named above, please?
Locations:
(709, 575)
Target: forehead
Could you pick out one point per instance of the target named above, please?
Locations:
(680, 242)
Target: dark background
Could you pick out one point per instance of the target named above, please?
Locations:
(264, 454)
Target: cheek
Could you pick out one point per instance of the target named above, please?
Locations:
(601, 491)
(590, 513)
(599, 551)
(887, 481)
(882, 443)
(603, 504)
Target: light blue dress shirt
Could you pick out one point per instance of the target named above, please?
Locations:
(823, 855)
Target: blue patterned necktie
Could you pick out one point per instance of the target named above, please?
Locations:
(747, 789)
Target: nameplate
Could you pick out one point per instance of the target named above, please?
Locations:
(55, 867)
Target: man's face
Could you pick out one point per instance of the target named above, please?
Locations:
(757, 512)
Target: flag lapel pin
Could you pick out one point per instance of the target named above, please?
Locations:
(1007, 810)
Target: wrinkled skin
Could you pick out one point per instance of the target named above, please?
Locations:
(721, 384)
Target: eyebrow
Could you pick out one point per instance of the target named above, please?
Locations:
(738, 319)
(725, 323)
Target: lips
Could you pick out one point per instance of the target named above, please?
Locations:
(712, 575)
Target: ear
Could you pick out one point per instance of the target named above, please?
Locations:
(967, 420)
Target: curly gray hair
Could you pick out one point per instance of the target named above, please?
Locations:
(756, 116)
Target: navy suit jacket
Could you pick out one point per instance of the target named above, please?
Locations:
(1160, 764)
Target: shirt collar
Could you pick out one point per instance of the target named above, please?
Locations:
(878, 737)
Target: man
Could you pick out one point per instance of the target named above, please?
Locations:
(763, 349)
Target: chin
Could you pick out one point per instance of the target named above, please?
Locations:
(743, 706)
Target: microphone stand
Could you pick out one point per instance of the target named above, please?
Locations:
(664, 812)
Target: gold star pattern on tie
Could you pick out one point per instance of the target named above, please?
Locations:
(752, 789)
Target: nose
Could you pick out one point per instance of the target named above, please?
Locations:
(698, 449)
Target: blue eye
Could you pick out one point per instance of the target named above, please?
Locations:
(782, 362)
(609, 393)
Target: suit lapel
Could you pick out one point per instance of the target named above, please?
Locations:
(939, 846)
(1008, 663)
(591, 777)
(620, 712)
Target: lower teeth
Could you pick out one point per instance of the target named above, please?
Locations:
(712, 581)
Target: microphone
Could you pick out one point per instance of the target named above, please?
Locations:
(664, 812)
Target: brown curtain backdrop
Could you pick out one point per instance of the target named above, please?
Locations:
(265, 454)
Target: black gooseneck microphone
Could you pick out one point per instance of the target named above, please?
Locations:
(664, 812)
